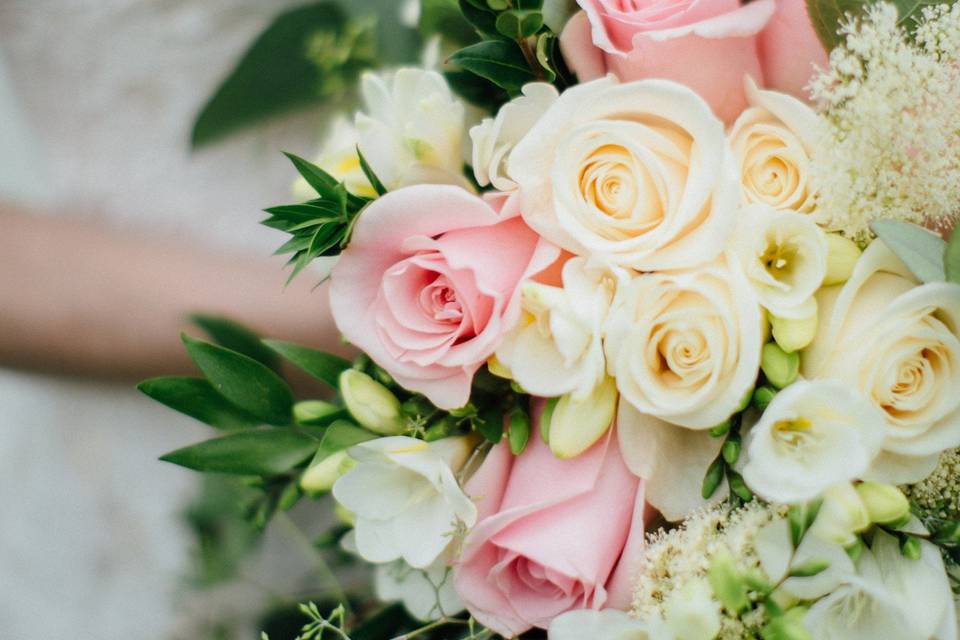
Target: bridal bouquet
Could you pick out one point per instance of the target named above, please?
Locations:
(659, 335)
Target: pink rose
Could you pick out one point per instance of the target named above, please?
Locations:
(428, 285)
(708, 45)
(789, 49)
(552, 535)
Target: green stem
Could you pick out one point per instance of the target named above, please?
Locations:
(531, 58)
(319, 563)
(430, 627)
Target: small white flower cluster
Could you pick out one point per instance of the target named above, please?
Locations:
(675, 558)
(891, 145)
(939, 493)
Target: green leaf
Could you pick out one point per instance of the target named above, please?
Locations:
(809, 568)
(491, 424)
(243, 381)
(827, 15)
(519, 24)
(261, 452)
(342, 435)
(481, 17)
(273, 76)
(198, 399)
(236, 337)
(922, 251)
(478, 91)
(371, 176)
(951, 258)
(499, 61)
(321, 181)
(518, 432)
(325, 367)
(444, 18)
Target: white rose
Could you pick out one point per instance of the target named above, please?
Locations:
(412, 128)
(813, 435)
(556, 347)
(427, 594)
(405, 498)
(773, 141)
(889, 596)
(338, 157)
(636, 173)
(897, 342)
(784, 256)
(494, 138)
(685, 346)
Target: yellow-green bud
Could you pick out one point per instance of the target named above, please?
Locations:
(780, 367)
(312, 412)
(371, 404)
(842, 256)
(344, 515)
(577, 423)
(789, 626)
(728, 586)
(842, 515)
(763, 396)
(793, 334)
(885, 503)
(321, 474)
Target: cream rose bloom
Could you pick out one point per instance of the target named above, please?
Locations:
(637, 174)
(784, 255)
(896, 341)
(773, 141)
(494, 138)
(685, 346)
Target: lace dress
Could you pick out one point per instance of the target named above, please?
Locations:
(97, 97)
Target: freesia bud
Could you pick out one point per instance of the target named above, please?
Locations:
(578, 423)
(885, 503)
(763, 396)
(780, 367)
(841, 516)
(371, 404)
(316, 412)
(321, 474)
(842, 256)
(793, 334)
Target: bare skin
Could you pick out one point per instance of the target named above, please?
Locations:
(82, 300)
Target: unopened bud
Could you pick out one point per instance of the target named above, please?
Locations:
(371, 404)
(885, 503)
(316, 412)
(842, 256)
(763, 396)
(842, 515)
(780, 368)
(577, 423)
(793, 334)
(323, 473)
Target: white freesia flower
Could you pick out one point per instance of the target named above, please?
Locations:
(898, 342)
(557, 348)
(427, 594)
(784, 255)
(685, 346)
(692, 613)
(494, 138)
(889, 596)
(813, 435)
(338, 157)
(608, 624)
(406, 498)
(773, 141)
(412, 128)
(638, 174)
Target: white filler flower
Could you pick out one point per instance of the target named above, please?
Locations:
(427, 594)
(813, 435)
(406, 498)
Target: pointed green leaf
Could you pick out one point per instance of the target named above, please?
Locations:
(325, 367)
(921, 250)
(499, 61)
(261, 452)
(198, 399)
(951, 258)
(321, 181)
(371, 176)
(245, 382)
(236, 337)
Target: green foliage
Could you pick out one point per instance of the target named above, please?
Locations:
(318, 227)
(371, 176)
(828, 15)
(303, 57)
(197, 398)
(325, 367)
(518, 432)
(245, 382)
(921, 250)
(499, 61)
(444, 18)
(255, 452)
(951, 258)
(236, 337)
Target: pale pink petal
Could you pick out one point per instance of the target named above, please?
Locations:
(790, 49)
(583, 57)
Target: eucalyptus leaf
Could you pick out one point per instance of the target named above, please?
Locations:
(261, 452)
(243, 381)
(325, 367)
(198, 399)
(951, 258)
(922, 251)
(236, 337)
(499, 61)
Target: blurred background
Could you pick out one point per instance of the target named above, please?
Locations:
(139, 140)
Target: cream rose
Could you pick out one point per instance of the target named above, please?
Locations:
(685, 346)
(772, 142)
(897, 342)
(638, 174)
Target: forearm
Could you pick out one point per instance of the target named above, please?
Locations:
(84, 301)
